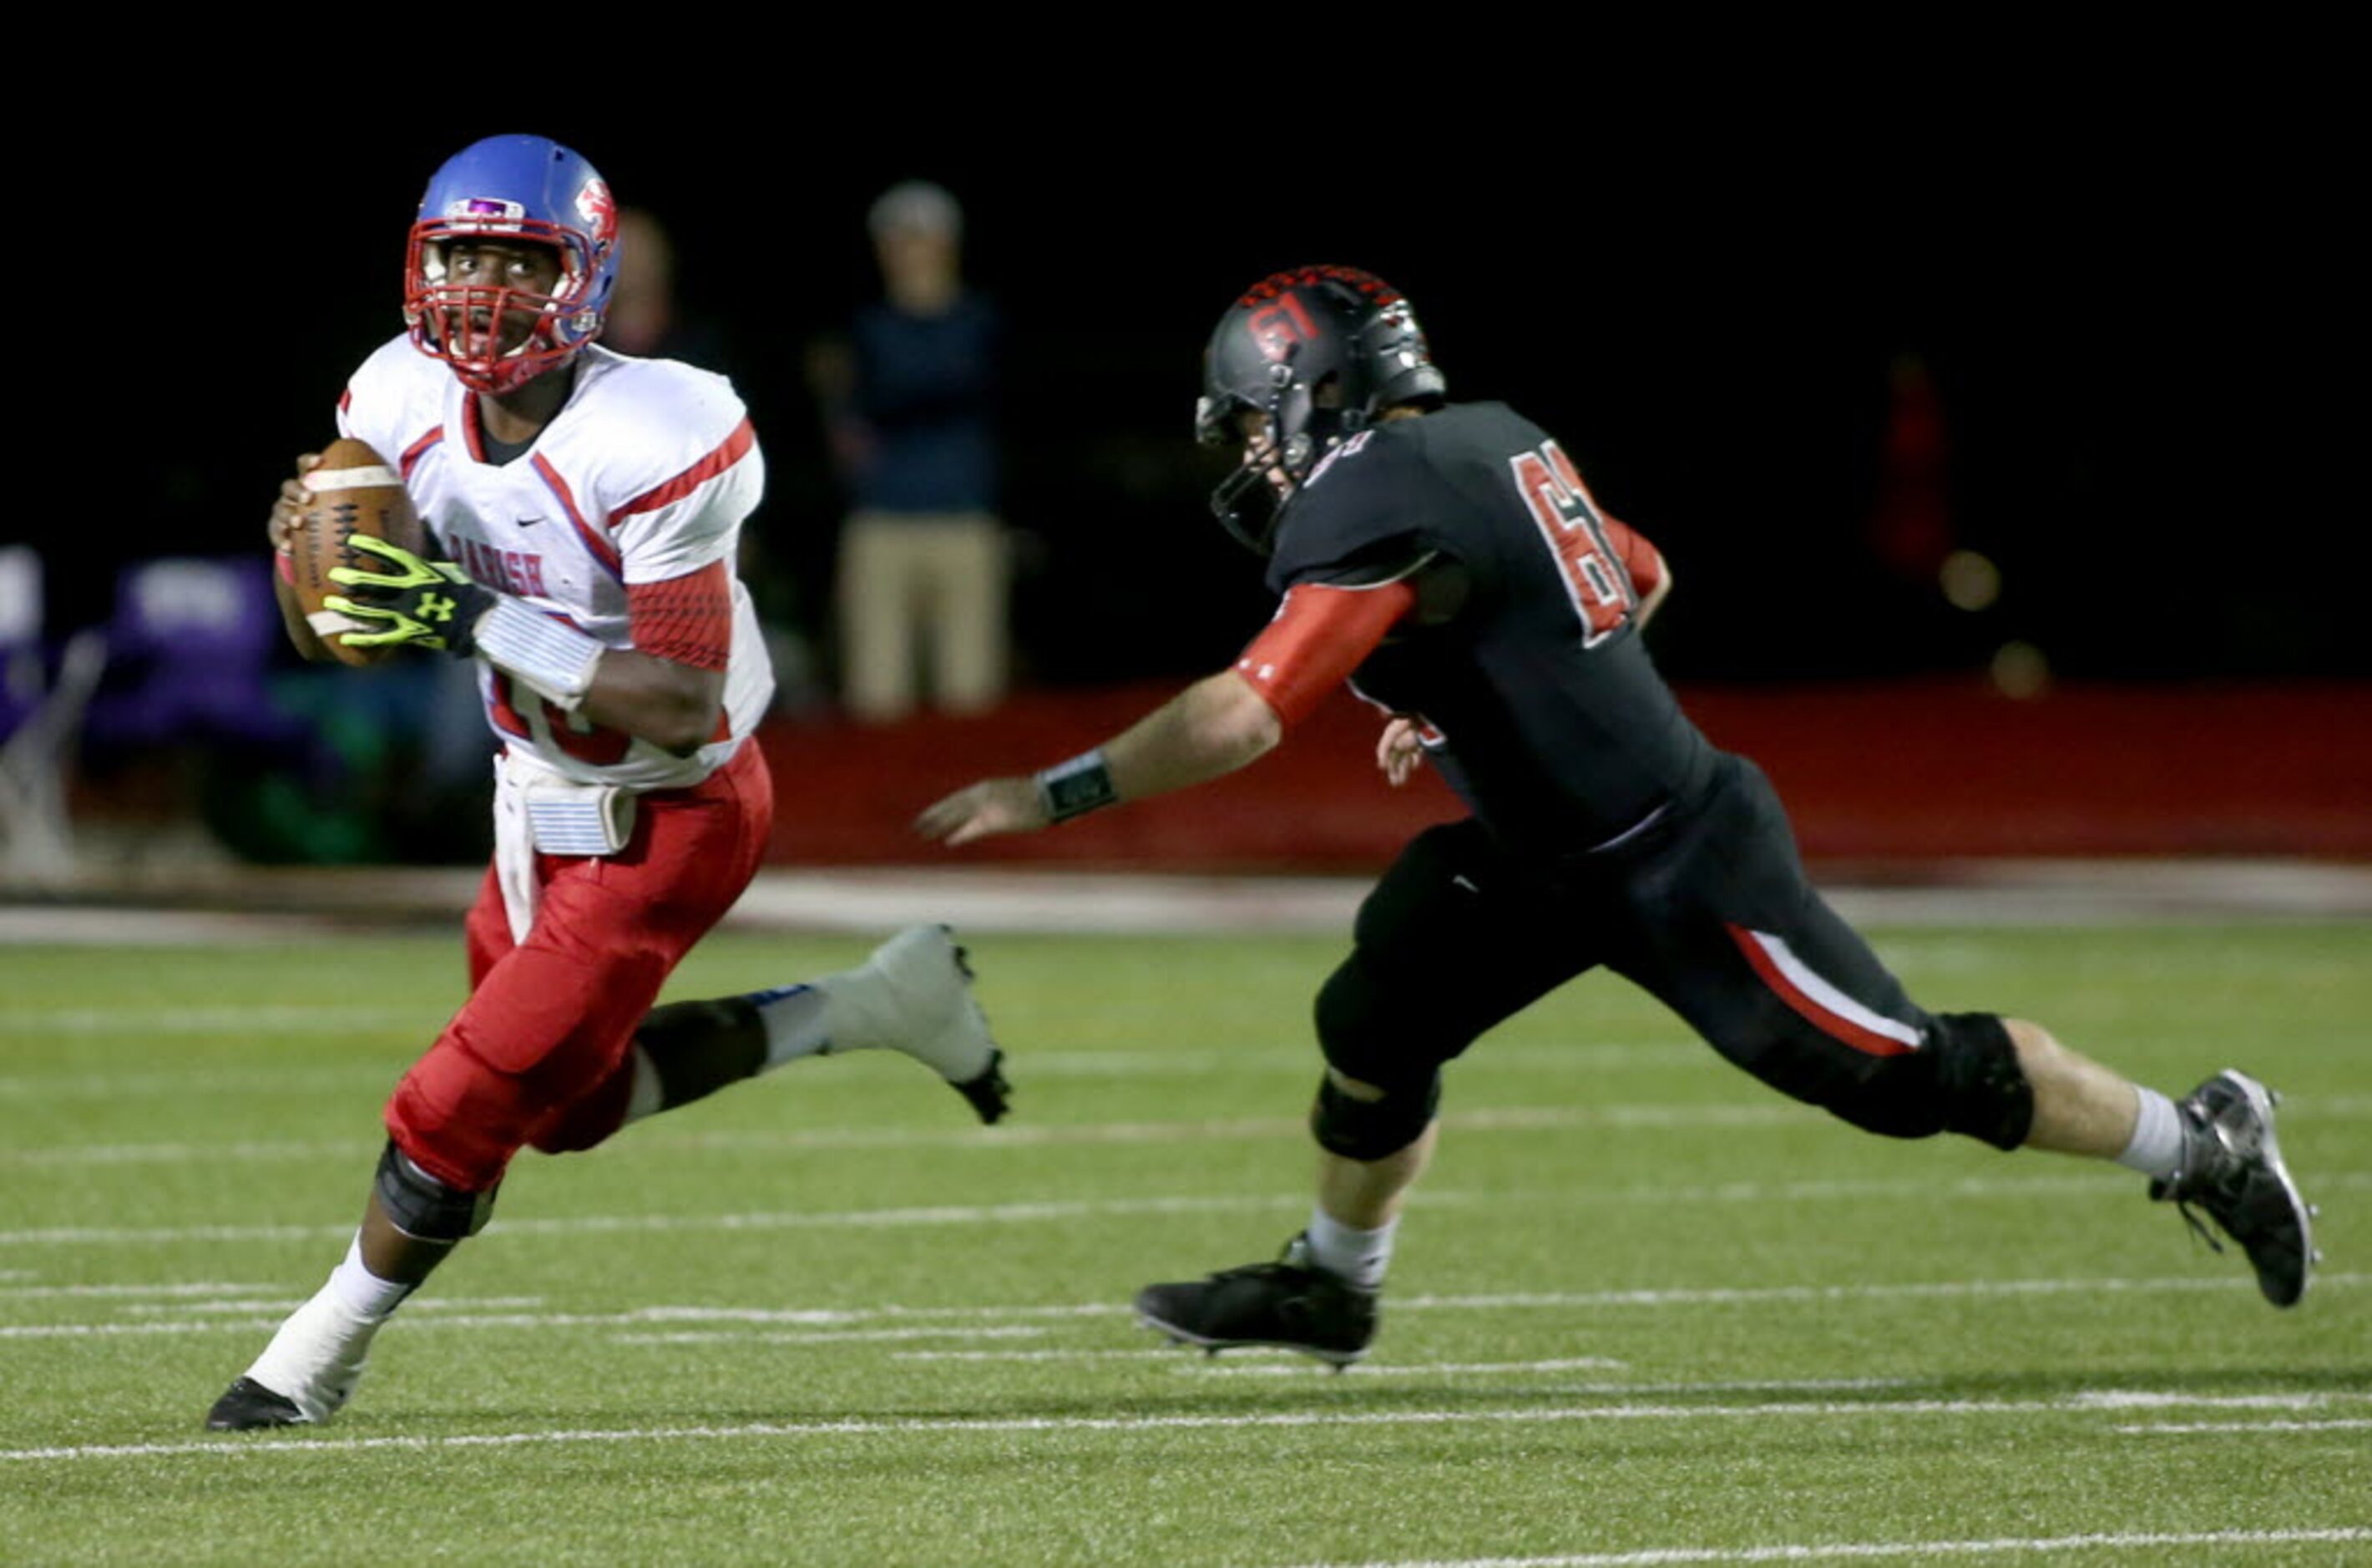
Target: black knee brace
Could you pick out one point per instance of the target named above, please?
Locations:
(1965, 1078)
(1986, 1093)
(1367, 1130)
(425, 1208)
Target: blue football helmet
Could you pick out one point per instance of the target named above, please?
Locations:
(515, 188)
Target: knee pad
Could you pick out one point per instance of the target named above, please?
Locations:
(425, 1208)
(1365, 1129)
(1965, 1079)
(1986, 1093)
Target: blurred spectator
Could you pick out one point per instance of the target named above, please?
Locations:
(908, 401)
(646, 318)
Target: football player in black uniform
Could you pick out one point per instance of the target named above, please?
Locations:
(1450, 555)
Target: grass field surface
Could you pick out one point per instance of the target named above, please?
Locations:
(1645, 1310)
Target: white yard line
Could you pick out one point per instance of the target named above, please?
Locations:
(828, 1336)
(1767, 1294)
(1212, 1367)
(244, 1021)
(192, 1288)
(275, 1299)
(1775, 1114)
(1151, 1352)
(871, 900)
(610, 1224)
(1845, 1552)
(2201, 1428)
(2102, 1184)
(1507, 1119)
(466, 1314)
(230, 1083)
(1118, 1425)
(1154, 1058)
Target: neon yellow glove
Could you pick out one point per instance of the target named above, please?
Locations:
(425, 604)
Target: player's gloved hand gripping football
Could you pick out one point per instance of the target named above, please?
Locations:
(427, 604)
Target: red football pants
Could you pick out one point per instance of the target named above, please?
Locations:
(540, 1053)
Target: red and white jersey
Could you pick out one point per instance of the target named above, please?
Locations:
(644, 476)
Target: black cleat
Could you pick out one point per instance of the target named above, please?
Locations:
(985, 1094)
(2232, 1167)
(1289, 1304)
(247, 1406)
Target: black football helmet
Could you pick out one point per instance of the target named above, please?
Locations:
(1321, 352)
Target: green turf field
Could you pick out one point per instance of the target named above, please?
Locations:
(1645, 1310)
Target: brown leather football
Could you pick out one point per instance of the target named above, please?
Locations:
(355, 491)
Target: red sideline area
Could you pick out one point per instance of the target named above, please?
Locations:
(1904, 770)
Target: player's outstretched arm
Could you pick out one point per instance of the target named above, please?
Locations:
(1215, 727)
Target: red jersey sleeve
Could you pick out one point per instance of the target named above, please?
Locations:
(1319, 635)
(686, 619)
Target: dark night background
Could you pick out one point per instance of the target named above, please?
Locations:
(2127, 318)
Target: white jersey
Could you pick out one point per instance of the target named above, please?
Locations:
(645, 474)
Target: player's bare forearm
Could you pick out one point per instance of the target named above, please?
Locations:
(1213, 727)
(674, 707)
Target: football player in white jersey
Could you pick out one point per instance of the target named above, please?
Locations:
(582, 508)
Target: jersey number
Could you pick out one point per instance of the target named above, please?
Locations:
(1560, 503)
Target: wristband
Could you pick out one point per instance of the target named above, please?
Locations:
(551, 655)
(1076, 787)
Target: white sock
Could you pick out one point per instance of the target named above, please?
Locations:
(316, 1356)
(794, 1018)
(1359, 1256)
(369, 1296)
(2156, 1146)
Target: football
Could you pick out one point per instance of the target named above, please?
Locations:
(355, 491)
